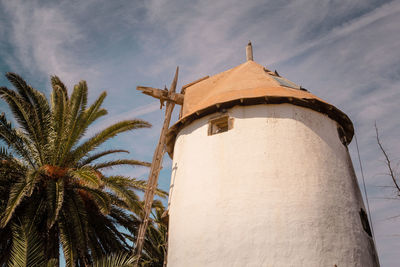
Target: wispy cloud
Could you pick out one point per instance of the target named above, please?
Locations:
(44, 41)
(134, 113)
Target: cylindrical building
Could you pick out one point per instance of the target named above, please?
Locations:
(262, 177)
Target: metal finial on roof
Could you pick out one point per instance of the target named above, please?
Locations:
(249, 52)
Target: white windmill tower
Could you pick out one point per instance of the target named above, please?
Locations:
(262, 177)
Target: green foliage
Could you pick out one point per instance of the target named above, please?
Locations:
(27, 247)
(115, 260)
(27, 250)
(52, 189)
(155, 247)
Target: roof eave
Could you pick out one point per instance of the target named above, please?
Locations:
(317, 105)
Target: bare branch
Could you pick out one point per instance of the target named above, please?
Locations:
(387, 161)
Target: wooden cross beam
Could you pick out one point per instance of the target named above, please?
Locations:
(163, 95)
(171, 98)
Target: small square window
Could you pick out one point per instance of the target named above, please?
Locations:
(219, 125)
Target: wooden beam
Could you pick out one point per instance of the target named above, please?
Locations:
(156, 164)
(163, 95)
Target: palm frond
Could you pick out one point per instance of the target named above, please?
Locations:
(77, 214)
(17, 193)
(19, 84)
(98, 155)
(132, 183)
(131, 162)
(27, 247)
(107, 238)
(57, 84)
(5, 155)
(43, 117)
(94, 108)
(37, 100)
(59, 111)
(116, 260)
(79, 98)
(103, 136)
(32, 176)
(87, 176)
(13, 139)
(87, 117)
(75, 117)
(128, 221)
(55, 199)
(99, 113)
(121, 188)
(100, 197)
(25, 115)
(10, 166)
(67, 241)
(112, 235)
(53, 263)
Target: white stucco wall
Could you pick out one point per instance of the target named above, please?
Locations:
(276, 190)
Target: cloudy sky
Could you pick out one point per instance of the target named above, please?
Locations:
(346, 52)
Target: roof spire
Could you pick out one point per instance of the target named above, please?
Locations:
(249, 52)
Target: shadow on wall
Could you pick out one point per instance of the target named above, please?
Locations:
(171, 188)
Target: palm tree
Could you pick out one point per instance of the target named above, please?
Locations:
(54, 180)
(155, 245)
(27, 250)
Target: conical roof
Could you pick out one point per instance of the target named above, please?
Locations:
(248, 84)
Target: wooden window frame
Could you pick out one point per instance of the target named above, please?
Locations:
(214, 122)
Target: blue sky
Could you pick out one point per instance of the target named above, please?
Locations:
(346, 52)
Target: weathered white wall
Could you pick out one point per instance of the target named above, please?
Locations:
(277, 190)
